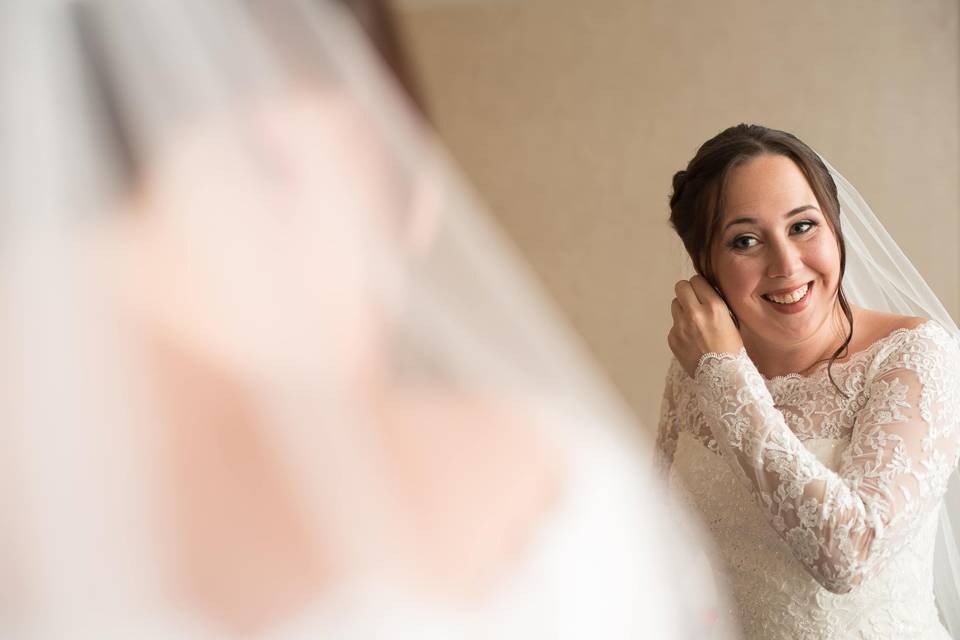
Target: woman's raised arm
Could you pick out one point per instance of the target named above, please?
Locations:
(844, 525)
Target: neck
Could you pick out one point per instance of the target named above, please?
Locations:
(774, 358)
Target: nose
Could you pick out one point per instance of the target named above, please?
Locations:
(785, 259)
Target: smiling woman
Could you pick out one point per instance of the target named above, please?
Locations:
(821, 485)
(756, 210)
(780, 273)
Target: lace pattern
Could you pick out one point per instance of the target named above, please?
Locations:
(844, 522)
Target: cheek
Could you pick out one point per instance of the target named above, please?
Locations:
(824, 257)
(737, 279)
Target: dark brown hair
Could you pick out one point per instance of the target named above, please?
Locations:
(378, 20)
(697, 202)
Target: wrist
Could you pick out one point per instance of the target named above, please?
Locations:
(714, 357)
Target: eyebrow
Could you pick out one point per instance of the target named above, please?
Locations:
(786, 216)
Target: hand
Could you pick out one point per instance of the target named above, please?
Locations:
(701, 324)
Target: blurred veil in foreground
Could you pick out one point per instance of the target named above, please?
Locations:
(268, 370)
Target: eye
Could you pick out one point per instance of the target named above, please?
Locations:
(743, 242)
(802, 227)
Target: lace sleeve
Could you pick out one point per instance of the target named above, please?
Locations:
(844, 525)
(668, 428)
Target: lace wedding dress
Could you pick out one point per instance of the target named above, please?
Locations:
(822, 503)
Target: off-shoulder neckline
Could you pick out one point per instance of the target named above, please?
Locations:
(821, 368)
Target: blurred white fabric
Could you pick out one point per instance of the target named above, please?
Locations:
(269, 370)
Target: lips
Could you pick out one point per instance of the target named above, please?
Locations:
(780, 292)
(790, 300)
(788, 296)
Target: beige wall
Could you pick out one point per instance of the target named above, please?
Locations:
(571, 116)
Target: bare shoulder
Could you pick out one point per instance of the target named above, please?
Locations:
(891, 322)
(898, 322)
(870, 325)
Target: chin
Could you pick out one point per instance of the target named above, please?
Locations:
(794, 330)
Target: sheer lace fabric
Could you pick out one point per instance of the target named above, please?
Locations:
(823, 505)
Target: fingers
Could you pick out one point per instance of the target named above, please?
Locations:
(695, 290)
(704, 292)
(686, 296)
(700, 321)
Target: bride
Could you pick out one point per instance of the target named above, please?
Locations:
(272, 372)
(814, 436)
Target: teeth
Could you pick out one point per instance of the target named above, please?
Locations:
(789, 298)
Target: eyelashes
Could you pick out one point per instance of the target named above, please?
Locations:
(746, 241)
(809, 224)
(739, 243)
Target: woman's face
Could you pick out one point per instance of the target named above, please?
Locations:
(775, 257)
(299, 198)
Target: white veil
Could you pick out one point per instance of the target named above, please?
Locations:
(268, 369)
(879, 276)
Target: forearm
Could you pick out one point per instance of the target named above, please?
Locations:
(835, 529)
